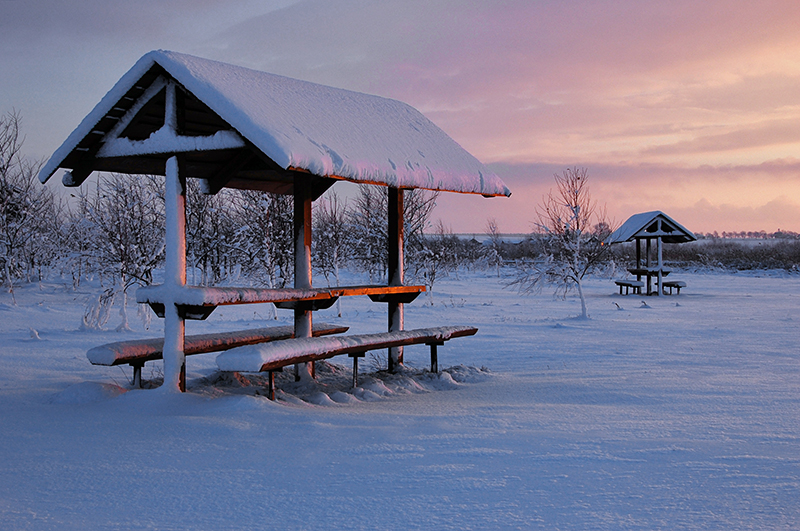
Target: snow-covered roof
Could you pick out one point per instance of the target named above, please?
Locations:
(651, 225)
(291, 126)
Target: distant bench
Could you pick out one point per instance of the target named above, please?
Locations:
(635, 285)
(272, 357)
(676, 284)
(136, 352)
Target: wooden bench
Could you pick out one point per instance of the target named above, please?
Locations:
(197, 302)
(676, 284)
(635, 285)
(274, 356)
(136, 352)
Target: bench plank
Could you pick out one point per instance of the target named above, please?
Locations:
(220, 296)
(272, 356)
(139, 351)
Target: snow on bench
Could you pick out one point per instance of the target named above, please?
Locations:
(677, 284)
(274, 356)
(635, 285)
(136, 352)
(198, 302)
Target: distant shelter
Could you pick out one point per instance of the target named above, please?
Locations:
(649, 227)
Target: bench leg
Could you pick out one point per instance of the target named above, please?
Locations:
(271, 386)
(355, 357)
(434, 358)
(137, 375)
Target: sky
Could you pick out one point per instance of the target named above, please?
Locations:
(687, 107)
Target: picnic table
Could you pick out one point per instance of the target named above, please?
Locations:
(186, 117)
(649, 273)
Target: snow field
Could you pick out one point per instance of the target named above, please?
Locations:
(681, 414)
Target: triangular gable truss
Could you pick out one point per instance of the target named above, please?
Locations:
(660, 226)
(158, 118)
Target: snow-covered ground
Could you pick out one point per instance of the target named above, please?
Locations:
(678, 412)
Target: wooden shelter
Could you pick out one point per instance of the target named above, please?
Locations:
(650, 226)
(185, 117)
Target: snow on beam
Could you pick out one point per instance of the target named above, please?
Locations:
(166, 141)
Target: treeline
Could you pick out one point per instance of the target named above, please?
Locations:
(712, 253)
(725, 254)
(749, 235)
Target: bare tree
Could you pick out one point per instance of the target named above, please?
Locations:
(28, 211)
(573, 230)
(493, 256)
(369, 223)
(436, 255)
(368, 220)
(331, 238)
(127, 220)
(264, 238)
(210, 232)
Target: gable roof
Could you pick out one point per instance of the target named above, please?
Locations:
(290, 126)
(651, 225)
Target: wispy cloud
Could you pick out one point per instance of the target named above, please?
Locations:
(667, 103)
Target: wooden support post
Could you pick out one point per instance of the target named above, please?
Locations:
(660, 264)
(434, 359)
(638, 258)
(355, 357)
(174, 275)
(647, 265)
(302, 266)
(136, 381)
(395, 273)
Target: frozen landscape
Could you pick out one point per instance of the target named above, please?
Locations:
(678, 412)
